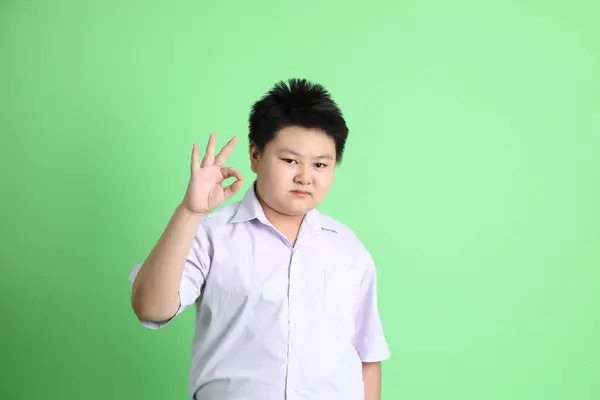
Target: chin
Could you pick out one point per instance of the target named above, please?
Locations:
(294, 211)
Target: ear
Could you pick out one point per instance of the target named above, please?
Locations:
(254, 157)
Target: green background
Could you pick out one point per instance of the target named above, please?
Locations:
(471, 174)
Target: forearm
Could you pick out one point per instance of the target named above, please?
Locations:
(372, 380)
(155, 292)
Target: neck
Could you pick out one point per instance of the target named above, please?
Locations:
(277, 218)
(289, 225)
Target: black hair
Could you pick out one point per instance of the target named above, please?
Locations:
(297, 103)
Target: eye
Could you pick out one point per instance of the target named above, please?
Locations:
(288, 160)
(320, 165)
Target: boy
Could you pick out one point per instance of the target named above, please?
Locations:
(285, 296)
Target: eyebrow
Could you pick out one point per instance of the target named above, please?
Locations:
(327, 156)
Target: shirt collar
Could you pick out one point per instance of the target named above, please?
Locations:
(249, 208)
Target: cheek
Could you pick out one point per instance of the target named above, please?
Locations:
(324, 179)
(277, 174)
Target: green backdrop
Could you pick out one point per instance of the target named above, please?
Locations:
(471, 174)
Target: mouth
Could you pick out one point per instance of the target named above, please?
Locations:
(300, 193)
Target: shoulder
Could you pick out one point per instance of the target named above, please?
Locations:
(341, 231)
(345, 239)
(221, 216)
(217, 223)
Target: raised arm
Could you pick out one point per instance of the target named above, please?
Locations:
(155, 291)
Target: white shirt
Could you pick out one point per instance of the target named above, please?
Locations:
(277, 322)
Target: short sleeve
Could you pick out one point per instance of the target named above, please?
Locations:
(194, 275)
(369, 339)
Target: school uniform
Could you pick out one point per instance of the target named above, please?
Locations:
(276, 321)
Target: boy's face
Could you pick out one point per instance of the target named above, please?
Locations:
(295, 171)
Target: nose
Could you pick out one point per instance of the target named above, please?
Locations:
(303, 176)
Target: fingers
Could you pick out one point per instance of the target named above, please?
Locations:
(209, 157)
(223, 155)
(229, 172)
(194, 162)
(232, 189)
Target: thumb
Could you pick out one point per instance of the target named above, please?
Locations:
(234, 187)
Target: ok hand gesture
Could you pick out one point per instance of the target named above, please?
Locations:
(204, 192)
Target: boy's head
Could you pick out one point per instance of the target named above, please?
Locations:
(297, 137)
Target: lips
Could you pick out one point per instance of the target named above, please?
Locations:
(300, 193)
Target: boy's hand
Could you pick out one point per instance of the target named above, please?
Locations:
(204, 192)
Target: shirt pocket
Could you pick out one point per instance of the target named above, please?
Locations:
(342, 285)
